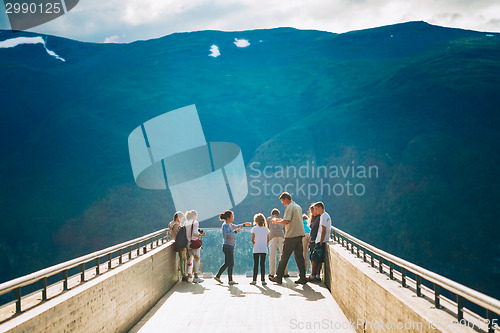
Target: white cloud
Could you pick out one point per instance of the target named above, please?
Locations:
(241, 42)
(214, 51)
(112, 39)
(138, 12)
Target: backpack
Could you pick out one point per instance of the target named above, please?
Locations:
(181, 240)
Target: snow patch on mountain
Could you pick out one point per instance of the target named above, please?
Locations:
(13, 42)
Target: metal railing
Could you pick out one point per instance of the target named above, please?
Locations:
(133, 249)
(490, 304)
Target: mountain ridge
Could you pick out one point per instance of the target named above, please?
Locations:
(421, 105)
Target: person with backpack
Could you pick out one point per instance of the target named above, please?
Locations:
(178, 233)
(323, 236)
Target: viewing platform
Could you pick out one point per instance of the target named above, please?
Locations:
(135, 287)
(215, 307)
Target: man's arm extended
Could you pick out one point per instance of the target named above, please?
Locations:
(281, 221)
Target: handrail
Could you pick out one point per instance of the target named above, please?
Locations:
(42, 275)
(485, 301)
(46, 272)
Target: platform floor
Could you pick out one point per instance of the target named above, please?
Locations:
(212, 307)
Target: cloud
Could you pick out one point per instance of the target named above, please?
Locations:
(112, 39)
(95, 20)
(241, 42)
(214, 51)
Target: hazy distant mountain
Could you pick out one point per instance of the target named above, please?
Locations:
(417, 101)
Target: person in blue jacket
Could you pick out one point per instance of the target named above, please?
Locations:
(228, 231)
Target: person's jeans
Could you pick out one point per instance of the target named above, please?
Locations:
(305, 248)
(228, 262)
(294, 245)
(273, 243)
(256, 258)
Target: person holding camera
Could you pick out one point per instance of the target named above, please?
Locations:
(194, 244)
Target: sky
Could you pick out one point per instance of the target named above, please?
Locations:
(129, 20)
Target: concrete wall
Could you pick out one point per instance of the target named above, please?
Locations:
(112, 302)
(374, 303)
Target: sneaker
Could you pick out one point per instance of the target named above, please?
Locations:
(253, 283)
(264, 283)
(198, 280)
(311, 278)
(276, 280)
(185, 279)
(232, 283)
(216, 278)
(270, 276)
(300, 281)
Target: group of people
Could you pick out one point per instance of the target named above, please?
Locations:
(189, 256)
(304, 236)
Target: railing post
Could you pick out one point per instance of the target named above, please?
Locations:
(489, 318)
(138, 249)
(391, 270)
(419, 286)
(97, 267)
(82, 273)
(65, 279)
(357, 251)
(372, 259)
(403, 277)
(145, 246)
(460, 308)
(44, 289)
(109, 261)
(130, 252)
(120, 253)
(380, 264)
(437, 293)
(18, 299)
(352, 247)
(364, 255)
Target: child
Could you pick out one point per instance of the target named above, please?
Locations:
(228, 231)
(260, 238)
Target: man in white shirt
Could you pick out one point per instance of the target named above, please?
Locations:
(325, 224)
(323, 236)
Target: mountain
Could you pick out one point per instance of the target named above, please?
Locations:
(416, 103)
